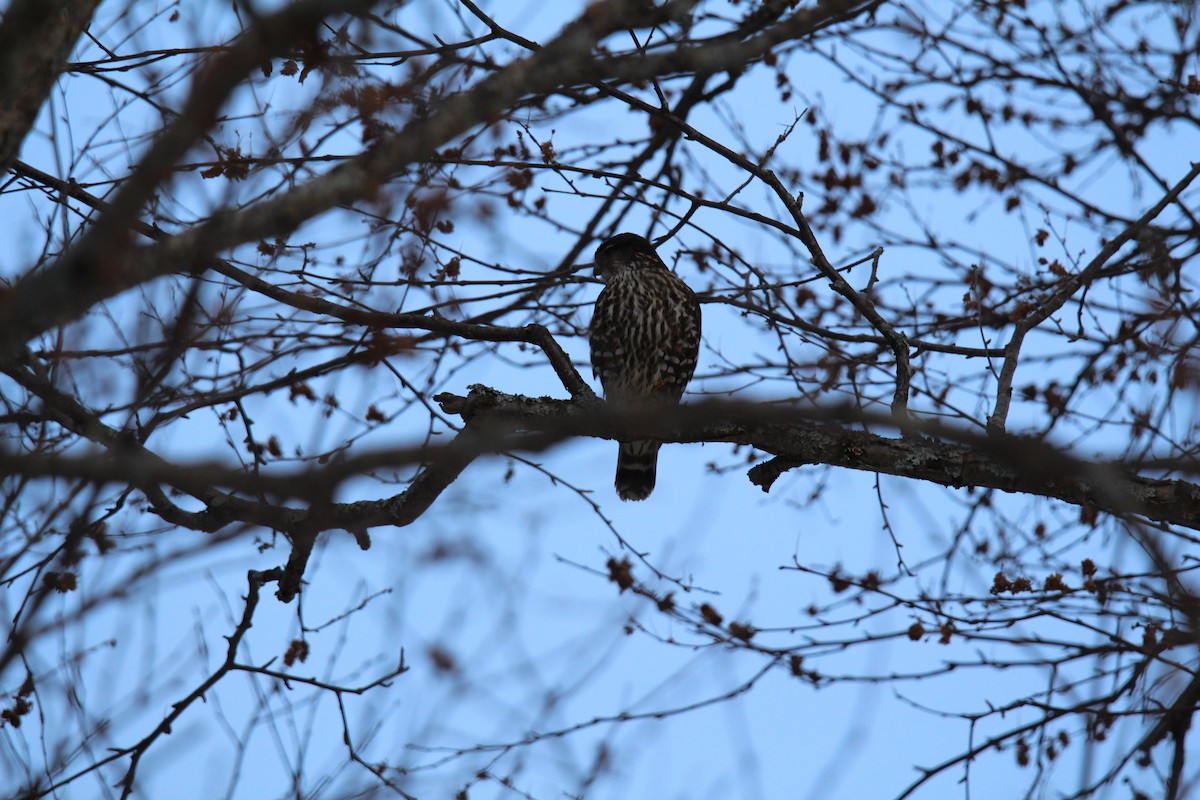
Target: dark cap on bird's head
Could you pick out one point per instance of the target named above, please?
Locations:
(624, 249)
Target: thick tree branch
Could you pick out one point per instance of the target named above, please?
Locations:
(36, 38)
(126, 460)
(62, 293)
(498, 422)
(798, 437)
(96, 267)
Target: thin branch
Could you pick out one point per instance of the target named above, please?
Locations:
(1012, 351)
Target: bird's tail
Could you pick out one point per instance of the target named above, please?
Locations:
(636, 465)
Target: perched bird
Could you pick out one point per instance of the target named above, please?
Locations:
(645, 337)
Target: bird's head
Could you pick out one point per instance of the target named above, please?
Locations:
(624, 251)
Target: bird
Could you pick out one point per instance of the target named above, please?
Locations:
(645, 340)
